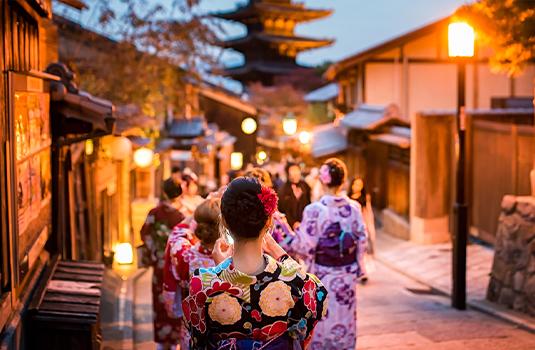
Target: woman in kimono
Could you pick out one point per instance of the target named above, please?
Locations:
(188, 250)
(154, 234)
(257, 297)
(190, 199)
(332, 238)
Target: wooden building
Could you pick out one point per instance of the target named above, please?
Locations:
(270, 45)
(414, 72)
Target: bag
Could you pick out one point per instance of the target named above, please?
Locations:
(337, 247)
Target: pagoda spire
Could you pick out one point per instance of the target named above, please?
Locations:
(270, 46)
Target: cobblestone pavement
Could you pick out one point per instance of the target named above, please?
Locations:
(397, 313)
(431, 265)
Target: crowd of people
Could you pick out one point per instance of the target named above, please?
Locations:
(259, 263)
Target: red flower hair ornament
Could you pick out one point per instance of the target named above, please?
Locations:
(269, 200)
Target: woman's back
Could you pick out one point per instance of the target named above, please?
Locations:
(279, 305)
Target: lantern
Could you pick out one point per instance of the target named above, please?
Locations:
(289, 125)
(248, 126)
(236, 160)
(460, 40)
(124, 254)
(305, 137)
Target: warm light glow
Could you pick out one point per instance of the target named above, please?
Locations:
(262, 155)
(236, 160)
(124, 254)
(460, 40)
(248, 126)
(143, 157)
(121, 148)
(305, 137)
(89, 147)
(289, 126)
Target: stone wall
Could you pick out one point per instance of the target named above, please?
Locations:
(512, 280)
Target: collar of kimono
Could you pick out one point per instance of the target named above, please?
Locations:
(226, 272)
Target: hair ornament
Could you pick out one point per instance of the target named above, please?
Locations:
(269, 200)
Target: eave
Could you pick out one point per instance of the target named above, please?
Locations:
(297, 12)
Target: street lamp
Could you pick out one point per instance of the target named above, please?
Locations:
(461, 48)
(289, 124)
(305, 137)
(248, 126)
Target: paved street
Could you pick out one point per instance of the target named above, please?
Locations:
(394, 313)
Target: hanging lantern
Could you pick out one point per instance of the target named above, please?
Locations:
(121, 148)
(305, 137)
(289, 125)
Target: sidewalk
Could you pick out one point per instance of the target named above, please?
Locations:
(431, 265)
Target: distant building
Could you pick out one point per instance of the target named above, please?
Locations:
(270, 46)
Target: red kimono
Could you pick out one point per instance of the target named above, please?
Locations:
(154, 233)
(182, 257)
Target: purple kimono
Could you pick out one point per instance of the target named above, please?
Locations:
(332, 239)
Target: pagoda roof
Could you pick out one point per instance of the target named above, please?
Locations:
(262, 67)
(253, 10)
(299, 43)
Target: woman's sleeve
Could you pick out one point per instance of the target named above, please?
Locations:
(195, 313)
(306, 236)
(310, 308)
(170, 282)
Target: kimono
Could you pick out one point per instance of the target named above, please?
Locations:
(332, 240)
(154, 234)
(182, 257)
(276, 309)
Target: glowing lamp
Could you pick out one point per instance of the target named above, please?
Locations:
(143, 157)
(89, 147)
(236, 160)
(305, 137)
(248, 126)
(289, 125)
(262, 155)
(121, 148)
(460, 39)
(124, 254)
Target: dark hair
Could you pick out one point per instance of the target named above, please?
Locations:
(188, 179)
(242, 210)
(171, 188)
(175, 169)
(289, 165)
(262, 175)
(207, 217)
(337, 170)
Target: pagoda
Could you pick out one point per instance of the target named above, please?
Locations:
(270, 46)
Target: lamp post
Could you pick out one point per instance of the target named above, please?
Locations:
(460, 48)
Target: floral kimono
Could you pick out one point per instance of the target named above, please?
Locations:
(332, 238)
(276, 309)
(154, 234)
(182, 257)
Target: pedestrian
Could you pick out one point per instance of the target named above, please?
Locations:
(257, 297)
(332, 237)
(190, 198)
(176, 174)
(294, 195)
(189, 248)
(357, 192)
(281, 231)
(154, 234)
